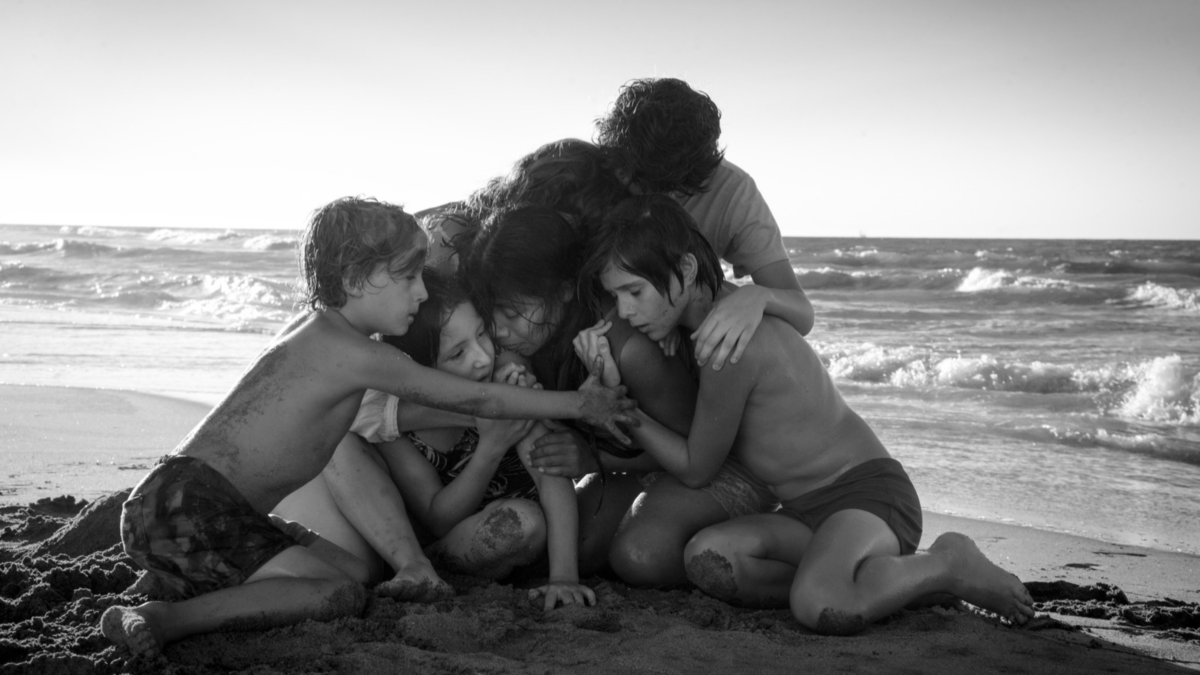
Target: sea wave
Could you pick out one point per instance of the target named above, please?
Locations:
(20, 277)
(987, 279)
(1141, 442)
(92, 231)
(270, 242)
(1151, 294)
(193, 236)
(1181, 267)
(1161, 389)
(235, 300)
(1165, 390)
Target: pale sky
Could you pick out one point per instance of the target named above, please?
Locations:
(930, 118)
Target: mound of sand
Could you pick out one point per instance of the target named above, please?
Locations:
(61, 566)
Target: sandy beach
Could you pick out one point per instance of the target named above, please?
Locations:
(68, 453)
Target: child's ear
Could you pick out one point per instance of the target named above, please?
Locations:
(689, 267)
(353, 290)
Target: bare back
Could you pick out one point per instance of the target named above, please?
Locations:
(279, 425)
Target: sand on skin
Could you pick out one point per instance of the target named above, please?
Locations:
(51, 605)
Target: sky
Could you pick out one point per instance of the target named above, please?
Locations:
(878, 118)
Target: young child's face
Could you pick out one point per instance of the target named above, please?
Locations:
(392, 303)
(640, 303)
(464, 348)
(523, 327)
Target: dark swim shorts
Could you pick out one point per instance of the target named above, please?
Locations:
(189, 526)
(878, 486)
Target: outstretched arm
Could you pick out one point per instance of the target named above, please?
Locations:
(378, 366)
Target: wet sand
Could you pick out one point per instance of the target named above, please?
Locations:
(1102, 607)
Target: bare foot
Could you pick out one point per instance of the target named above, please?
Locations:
(980, 582)
(126, 627)
(417, 582)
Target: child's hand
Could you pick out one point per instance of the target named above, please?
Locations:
(605, 406)
(591, 343)
(562, 452)
(515, 374)
(670, 344)
(505, 372)
(500, 435)
(730, 325)
(570, 593)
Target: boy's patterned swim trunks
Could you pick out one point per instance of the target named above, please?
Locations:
(878, 486)
(734, 488)
(189, 525)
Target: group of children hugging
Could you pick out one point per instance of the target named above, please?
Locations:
(549, 381)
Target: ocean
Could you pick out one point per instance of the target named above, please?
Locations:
(1054, 384)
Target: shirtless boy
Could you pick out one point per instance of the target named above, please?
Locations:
(842, 550)
(199, 522)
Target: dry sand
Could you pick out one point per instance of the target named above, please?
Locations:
(1102, 607)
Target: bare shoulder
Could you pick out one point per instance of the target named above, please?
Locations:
(294, 323)
(772, 350)
(781, 354)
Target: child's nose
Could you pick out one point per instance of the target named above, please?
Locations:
(483, 359)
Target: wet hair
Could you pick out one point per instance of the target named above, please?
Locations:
(534, 252)
(451, 228)
(526, 252)
(648, 237)
(348, 239)
(423, 340)
(572, 176)
(664, 133)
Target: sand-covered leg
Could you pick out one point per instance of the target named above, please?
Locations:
(416, 582)
(980, 582)
(507, 533)
(128, 628)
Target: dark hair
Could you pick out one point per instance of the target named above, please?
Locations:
(347, 239)
(451, 228)
(531, 252)
(664, 133)
(648, 236)
(574, 177)
(423, 339)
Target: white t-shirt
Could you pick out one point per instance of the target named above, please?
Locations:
(736, 220)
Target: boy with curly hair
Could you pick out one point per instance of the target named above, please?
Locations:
(664, 136)
(199, 520)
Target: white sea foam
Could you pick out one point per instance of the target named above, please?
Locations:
(192, 236)
(270, 242)
(235, 301)
(1155, 295)
(90, 231)
(1166, 391)
(985, 279)
(1163, 389)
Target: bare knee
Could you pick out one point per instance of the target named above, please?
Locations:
(515, 522)
(646, 556)
(711, 564)
(509, 533)
(821, 608)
